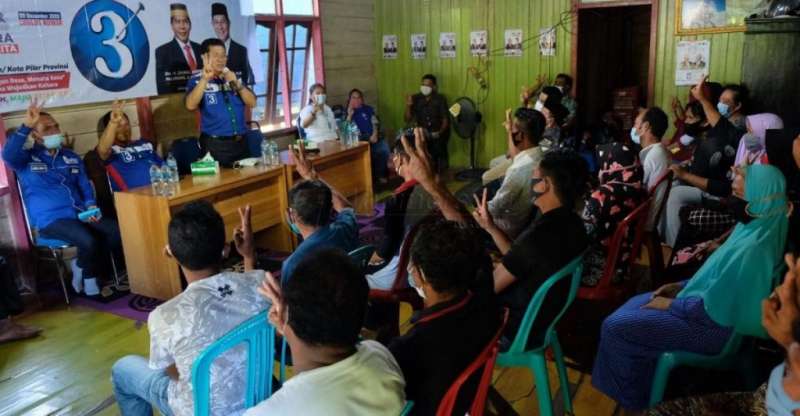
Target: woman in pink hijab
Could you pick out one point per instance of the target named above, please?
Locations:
(751, 147)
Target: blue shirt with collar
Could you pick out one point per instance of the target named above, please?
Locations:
(216, 107)
(341, 233)
(129, 166)
(54, 187)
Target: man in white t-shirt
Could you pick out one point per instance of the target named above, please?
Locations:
(647, 131)
(317, 118)
(320, 311)
(212, 305)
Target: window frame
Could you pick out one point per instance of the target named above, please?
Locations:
(277, 23)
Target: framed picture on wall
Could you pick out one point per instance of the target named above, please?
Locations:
(711, 16)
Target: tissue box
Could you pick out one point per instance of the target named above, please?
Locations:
(205, 167)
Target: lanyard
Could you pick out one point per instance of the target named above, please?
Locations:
(227, 100)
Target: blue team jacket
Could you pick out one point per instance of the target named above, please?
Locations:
(54, 187)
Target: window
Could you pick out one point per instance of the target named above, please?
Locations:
(290, 45)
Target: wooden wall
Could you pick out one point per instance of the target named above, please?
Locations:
(506, 75)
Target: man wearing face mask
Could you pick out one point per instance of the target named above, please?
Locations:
(127, 161)
(428, 109)
(564, 83)
(647, 131)
(221, 99)
(56, 189)
(317, 118)
(727, 116)
(310, 204)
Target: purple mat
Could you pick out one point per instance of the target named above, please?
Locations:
(130, 306)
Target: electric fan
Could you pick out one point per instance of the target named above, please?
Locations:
(465, 120)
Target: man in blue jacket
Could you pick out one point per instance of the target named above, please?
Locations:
(56, 189)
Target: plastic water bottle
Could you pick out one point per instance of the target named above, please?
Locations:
(266, 159)
(274, 154)
(173, 168)
(355, 135)
(168, 184)
(155, 179)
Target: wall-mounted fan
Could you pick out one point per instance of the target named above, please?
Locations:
(465, 120)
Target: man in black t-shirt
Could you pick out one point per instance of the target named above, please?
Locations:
(428, 109)
(554, 238)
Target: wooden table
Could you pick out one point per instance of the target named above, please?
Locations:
(348, 169)
(144, 217)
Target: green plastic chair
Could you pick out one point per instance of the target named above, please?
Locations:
(259, 337)
(534, 359)
(736, 354)
(407, 408)
(362, 255)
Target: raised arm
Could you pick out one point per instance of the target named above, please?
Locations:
(194, 96)
(13, 153)
(307, 172)
(712, 114)
(247, 96)
(107, 139)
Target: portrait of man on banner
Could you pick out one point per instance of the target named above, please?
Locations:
(238, 61)
(177, 59)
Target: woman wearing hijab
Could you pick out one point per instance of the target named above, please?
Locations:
(699, 315)
(619, 193)
(752, 148)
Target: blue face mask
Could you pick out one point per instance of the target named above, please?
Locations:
(778, 402)
(293, 227)
(635, 136)
(53, 141)
(724, 109)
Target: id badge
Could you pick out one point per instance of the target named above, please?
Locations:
(38, 167)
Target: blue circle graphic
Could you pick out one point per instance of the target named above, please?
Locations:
(109, 45)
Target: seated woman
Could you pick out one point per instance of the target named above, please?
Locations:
(619, 193)
(127, 161)
(364, 117)
(317, 118)
(699, 315)
(752, 147)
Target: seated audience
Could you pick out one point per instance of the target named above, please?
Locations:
(408, 205)
(311, 203)
(647, 131)
(511, 206)
(369, 127)
(706, 178)
(554, 114)
(556, 237)
(780, 316)
(213, 303)
(320, 311)
(783, 151)
(619, 193)
(317, 118)
(699, 315)
(752, 147)
(127, 161)
(428, 109)
(448, 266)
(564, 83)
(56, 189)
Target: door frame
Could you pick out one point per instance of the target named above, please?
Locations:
(577, 6)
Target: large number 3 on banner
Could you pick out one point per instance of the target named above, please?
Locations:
(109, 45)
(123, 52)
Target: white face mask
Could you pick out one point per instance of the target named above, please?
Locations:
(411, 283)
(425, 90)
(321, 99)
(686, 140)
(538, 106)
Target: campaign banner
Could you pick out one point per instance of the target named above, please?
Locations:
(74, 52)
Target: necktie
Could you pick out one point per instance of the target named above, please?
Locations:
(189, 58)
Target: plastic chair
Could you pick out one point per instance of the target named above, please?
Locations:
(186, 151)
(259, 336)
(485, 360)
(362, 255)
(534, 359)
(407, 408)
(652, 240)
(606, 289)
(53, 247)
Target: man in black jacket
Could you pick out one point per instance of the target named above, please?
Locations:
(237, 54)
(177, 59)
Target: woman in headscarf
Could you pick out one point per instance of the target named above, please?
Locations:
(619, 193)
(699, 315)
(752, 148)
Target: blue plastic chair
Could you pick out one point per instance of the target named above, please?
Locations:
(534, 359)
(736, 354)
(186, 151)
(407, 408)
(362, 255)
(259, 336)
(254, 139)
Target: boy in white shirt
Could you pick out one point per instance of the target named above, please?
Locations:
(320, 311)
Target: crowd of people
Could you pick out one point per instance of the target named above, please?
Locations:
(560, 192)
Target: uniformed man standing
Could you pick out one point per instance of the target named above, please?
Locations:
(428, 109)
(221, 99)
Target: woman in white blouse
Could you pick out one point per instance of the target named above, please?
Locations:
(317, 118)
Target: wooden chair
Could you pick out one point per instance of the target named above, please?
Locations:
(652, 239)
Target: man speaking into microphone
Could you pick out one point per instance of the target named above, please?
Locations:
(221, 99)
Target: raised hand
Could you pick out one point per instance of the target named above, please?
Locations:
(481, 214)
(117, 111)
(243, 234)
(33, 112)
(208, 72)
(780, 310)
(697, 90)
(301, 164)
(271, 289)
(419, 163)
(228, 75)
